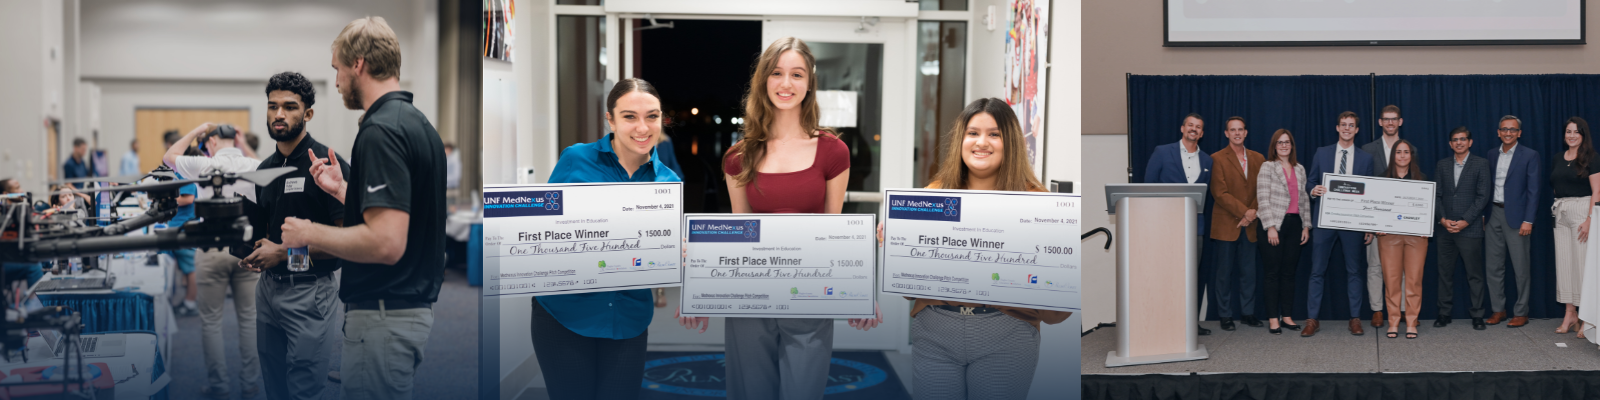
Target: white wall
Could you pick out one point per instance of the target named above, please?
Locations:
(1106, 164)
(195, 53)
(30, 31)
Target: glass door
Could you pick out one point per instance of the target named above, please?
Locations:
(866, 87)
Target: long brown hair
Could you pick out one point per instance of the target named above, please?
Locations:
(1016, 173)
(1272, 152)
(1413, 171)
(759, 110)
(1585, 148)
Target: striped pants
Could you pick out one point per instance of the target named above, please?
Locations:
(989, 356)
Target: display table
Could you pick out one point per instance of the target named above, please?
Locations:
(138, 372)
(138, 301)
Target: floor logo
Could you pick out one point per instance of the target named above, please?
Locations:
(706, 375)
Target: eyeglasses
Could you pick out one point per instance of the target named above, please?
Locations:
(1510, 129)
(1347, 125)
(1460, 139)
(1284, 142)
(1389, 119)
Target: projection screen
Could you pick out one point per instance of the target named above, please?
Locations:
(1213, 23)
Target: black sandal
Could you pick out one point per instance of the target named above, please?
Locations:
(1411, 335)
(1393, 335)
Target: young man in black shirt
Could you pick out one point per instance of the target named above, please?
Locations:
(293, 308)
(393, 240)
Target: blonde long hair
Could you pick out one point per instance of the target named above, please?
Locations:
(759, 110)
(1016, 173)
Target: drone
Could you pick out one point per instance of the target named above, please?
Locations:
(221, 222)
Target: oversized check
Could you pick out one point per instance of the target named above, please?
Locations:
(576, 238)
(1017, 249)
(780, 265)
(1370, 204)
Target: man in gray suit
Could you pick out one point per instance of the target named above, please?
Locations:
(1390, 120)
(1464, 182)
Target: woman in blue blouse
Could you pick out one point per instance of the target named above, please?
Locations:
(592, 345)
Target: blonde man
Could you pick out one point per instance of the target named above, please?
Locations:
(392, 242)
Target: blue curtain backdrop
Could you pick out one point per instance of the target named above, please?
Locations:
(1431, 105)
(1308, 106)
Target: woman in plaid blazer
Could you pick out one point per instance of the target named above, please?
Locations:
(1281, 196)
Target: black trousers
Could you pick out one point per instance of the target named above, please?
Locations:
(581, 367)
(1279, 264)
(1454, 246)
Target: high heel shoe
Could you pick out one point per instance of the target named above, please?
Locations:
(1567, 327)
(1275, 331)
(1288, 326)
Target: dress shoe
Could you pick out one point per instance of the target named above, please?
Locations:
(1251, 321)
(1478, 324)
(1444, 320)
(1203, 331)
(1517, 322)
(1377, 319)
(1227, 324)
(1496, 318)
(1275, 331)
(1355, 327)
(1310, 328)
(1289, 326)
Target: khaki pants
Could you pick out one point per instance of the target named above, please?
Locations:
(382, 349)
(1403, 257)
(217, 272)
(1570, 212)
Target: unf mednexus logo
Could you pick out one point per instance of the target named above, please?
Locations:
(951, 210)
(555, 201)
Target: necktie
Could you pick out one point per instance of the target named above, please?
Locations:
(1344, 155)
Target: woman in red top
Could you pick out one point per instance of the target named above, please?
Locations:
(786, 163)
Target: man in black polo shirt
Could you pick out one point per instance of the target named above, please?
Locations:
(393, 241)
(293, 309)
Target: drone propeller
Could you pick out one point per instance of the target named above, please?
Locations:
(125, 179)
(149, 187)
(264, 177)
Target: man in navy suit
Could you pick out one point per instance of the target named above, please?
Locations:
(1183, 162)
(1516, 191)
(1339, 158)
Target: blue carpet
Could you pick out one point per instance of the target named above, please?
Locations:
(701, 375)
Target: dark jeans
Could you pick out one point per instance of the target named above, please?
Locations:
(1279, 264)
(1236, 274)
(1453, 246)
(581, 367)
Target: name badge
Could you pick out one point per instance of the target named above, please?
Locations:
(294, 185)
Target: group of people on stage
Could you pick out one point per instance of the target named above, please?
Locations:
(1485, 206)
(592, 345)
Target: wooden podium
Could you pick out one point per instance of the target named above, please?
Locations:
(1158, 261)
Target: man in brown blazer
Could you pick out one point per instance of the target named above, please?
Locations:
(1233, 225)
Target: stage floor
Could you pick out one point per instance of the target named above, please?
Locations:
(1535, 347)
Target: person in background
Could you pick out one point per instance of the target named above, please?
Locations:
(78, 165)
(1403, 255)
(1464, 185)
(252, 143)
(986, 151)
(1283, 202)
(130, 160)
(591, 345)
(10, 185)
(184, 258)
(1339, 158)
(1575, 180)
(1380, 148)
(392, 245)
(294, 309)
(1234, 225)
(34, 271)
(217, 270)
(452, 166)
(1183, 162)
(1516, 195)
